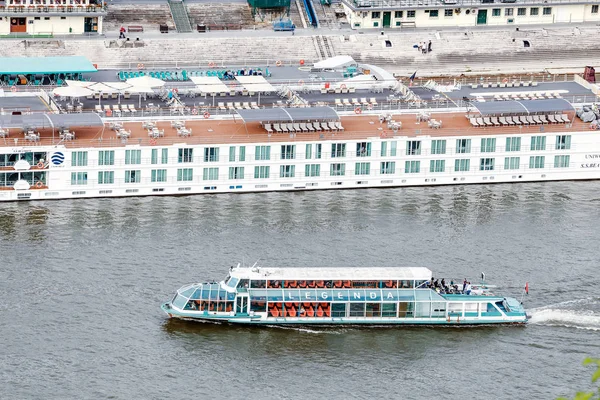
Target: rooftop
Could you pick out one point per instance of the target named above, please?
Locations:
(375, 273)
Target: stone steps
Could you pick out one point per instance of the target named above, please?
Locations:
(180, 16)
(150, 16)
(221, 14)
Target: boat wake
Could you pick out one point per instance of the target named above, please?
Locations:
(580, 314)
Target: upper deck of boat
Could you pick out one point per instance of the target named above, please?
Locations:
(236, 131)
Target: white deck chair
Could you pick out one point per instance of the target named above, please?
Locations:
(324, 126)
(543, 119)
(221, 106)
(551, 118)
(277, 128)
(332, 126)
(495, 121)
(268, 128)
(524, 120)
(565, 118)
(473, 122)
(502, 121)
(230, 106)
(480, 122)
(339, 126)
(531, 120)
(364, 101)
(356, 103)
(346, 102)
(297, 127)
(537, 119)
(373, 101)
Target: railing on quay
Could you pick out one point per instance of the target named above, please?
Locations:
(208, 63)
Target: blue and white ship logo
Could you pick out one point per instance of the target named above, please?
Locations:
(57, 158)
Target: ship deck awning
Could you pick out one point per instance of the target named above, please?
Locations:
(45, 121)
(209, 84)
(279, 114)
(255, 83)
(360, 273)
(45, 65)
(523, 107)
(335, 62)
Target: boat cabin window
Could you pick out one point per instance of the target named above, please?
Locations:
(231, 282)
(258, 306)
(243, 284)
(406, 284)
(256, 284)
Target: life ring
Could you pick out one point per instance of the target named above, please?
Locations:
(301, 82)
(206, 114)
(279, 63)
(369, 106)
(505, 80)
(40, 165)
(358, 110)
(301, 62)
(211, 64)
(152, 142)
(13, 88)
(194, 111)
(140, 66)
(343, 86)
(39, 184)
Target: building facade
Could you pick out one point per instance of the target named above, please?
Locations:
(51, 17)
(363, 14)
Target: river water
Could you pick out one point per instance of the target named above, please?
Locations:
(82, 282)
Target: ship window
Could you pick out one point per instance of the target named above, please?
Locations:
(258, 284)
(373, 309)
(232, 282)
(365, 284)
(363, 149)
(357, 309)
(258, 306)
(338, 310)
(413, 147)
(243, 284)
(388, 310)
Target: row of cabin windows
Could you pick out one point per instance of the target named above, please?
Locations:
(521, 11)
(496, 12)
(314, 170)
(340, 284)
(338, 150)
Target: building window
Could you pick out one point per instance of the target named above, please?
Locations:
(521, 11)
(595, 9)
(338, 150)
(164, 156)
(312, 170)
(536, 162)
(78, 178)
(46, 18)
(462, 165)
(318, 148)
(106, 157)
(437, 165)
(463, 146)
(187, 174)
(36, 18)
(242, 153)
(231, 153)
(538, 143)
(398, 23)
(399, 14)
(488, 145)
(158, 175)
(338, 169)
(513, 144)
(211, 154)
(433, 13)
(308, 152)
(384, 149)
(106, 177)
(288, 152)
(547, 11)
(508, 12)
(185, 155)
(448, 12)
(362, 168)
(133, 157)
(133, 176)
(79, 159)
(287, 171)
(262, 152)
(495, 12)
(375, 15)
(389, 167)
(486, 164)
(262, 172)
(236, 172)
(534, 11)
(413, 148)
(438, 147)
(363, 149)
(512, 162)
(411, 14)
(563, 142)
(210, 174)
(562, 161)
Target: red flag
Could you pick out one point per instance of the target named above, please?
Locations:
(527, 287)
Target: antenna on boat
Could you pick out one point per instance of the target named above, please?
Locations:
(254, 265)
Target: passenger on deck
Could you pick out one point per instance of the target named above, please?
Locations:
(468, 289)
(464, 285)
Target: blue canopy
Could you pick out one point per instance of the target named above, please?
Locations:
(45, 65)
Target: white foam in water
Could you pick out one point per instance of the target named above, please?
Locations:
(569, 318)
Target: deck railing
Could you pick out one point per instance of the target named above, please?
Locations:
(389, 4)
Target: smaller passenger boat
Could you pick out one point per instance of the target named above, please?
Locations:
(336, 296)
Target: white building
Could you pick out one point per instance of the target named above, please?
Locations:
(51, 17)
(465, 13)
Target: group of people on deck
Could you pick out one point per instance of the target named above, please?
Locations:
(442, 288)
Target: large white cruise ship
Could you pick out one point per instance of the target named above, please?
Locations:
(328, 134)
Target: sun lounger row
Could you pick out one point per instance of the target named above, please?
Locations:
(519, 120)
(232, 106)
(338, 90)
(125, 108)
(527, 96)
(354, 102)
(304, 127)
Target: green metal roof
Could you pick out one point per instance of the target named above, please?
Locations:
(45, 65)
